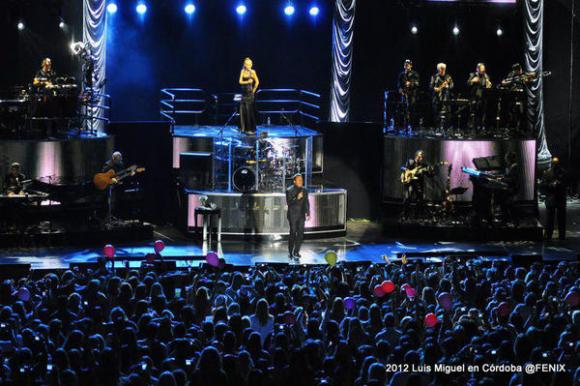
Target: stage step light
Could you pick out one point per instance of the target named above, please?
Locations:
(289, 10)
(241, 9)
(112, 8)
(141, 8)
(314, 11)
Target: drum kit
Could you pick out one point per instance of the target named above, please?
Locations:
(265, 167)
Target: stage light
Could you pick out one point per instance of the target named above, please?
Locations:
(141, 8)
(61, 25)
(455, 30)
(112, 8)
(414, 30)
(189, 9)
(20, 25)
(241, 9)
(289, 10)
(499, 31)
(314, 11)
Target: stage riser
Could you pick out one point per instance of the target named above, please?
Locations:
(397, 150)
(79, 157)
(265, 214)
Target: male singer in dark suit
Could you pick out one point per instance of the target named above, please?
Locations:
(553, 184)
(298, 213)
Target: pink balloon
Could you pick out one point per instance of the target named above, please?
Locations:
(431, 320)
(212, 259)
(349, 303)
(445, 300)
(109, 251)
(379, 292)
(388, 286)
(158, 246)
(572, 298)
(410, 291)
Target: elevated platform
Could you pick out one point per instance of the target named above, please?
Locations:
(264, 214)
(190, 138)
(457, 152)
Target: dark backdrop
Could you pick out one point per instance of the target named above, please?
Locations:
(22, 51)
(383, 40)
(166, 48)
(562, 124)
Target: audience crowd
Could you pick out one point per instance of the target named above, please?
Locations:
(387, 324)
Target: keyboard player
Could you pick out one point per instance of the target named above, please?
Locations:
(499, 188)
(14, 180)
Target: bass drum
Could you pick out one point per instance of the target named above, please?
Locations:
(244, 179)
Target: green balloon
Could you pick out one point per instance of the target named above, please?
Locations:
(331, 258)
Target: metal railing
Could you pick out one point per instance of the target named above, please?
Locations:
(194, 105)
(95, 111)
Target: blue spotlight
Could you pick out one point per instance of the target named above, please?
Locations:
(141, 8)
(314, 11)
(289, 10)
(112, 8)
(241, 9)
(189, 9)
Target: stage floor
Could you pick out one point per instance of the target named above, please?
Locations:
(365, 241)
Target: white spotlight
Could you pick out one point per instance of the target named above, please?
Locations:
(455, 30)
(61, 24)
(499, 31)
(20, 25)
(414, 30)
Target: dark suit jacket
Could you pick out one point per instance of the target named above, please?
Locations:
(297, 208)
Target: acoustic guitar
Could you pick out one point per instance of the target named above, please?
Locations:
(103, 180)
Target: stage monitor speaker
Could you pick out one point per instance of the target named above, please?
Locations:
(524, 260)
(196, 170)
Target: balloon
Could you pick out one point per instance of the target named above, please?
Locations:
(572, 298)
(445, 300)
(23, 294)
(331, 258)
(431, 320)
(212, 259)
(410, 291)
(109, 251)
(503, 309)
(349, 303)
(158, 246)
(379, 292)
(388, 286)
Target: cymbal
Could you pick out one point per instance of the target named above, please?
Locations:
(458, 190)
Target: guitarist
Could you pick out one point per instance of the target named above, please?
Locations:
(415, 188)
(441, 85)
(116, 164)
(408, 84)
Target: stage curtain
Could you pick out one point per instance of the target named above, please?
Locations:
(94, 37)
(342, 42)
(534, 37)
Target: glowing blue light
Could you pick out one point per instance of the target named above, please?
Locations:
(314, 10)
(289, 10)
(141, 8)
(241, 9)
(189, 9)
(112, 8)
